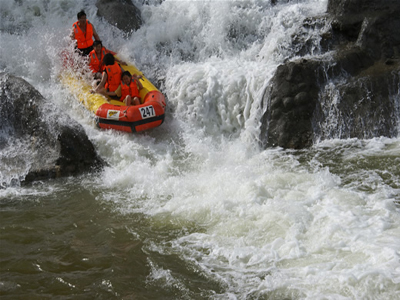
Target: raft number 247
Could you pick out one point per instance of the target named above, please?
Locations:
(147, 111)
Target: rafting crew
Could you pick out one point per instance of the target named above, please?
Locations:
(83, 32)
(110, 79)
(117, 83)
(96, 57)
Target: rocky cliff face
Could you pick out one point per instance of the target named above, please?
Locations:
(38, 140)
(350, 90)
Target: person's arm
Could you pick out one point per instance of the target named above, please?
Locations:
(111, 94)
(90, 64)
(121, 62)
(118, 92)
(101, 84)
(96, 36)
(112, 52)
(137, 77)
(103, 81)
(72, 34)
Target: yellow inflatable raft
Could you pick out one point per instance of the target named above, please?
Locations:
(113, 114)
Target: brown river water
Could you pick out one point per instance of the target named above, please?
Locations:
(68, 245)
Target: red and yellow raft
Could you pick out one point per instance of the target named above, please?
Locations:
(113, 114)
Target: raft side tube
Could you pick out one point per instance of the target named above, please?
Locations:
(130, 126)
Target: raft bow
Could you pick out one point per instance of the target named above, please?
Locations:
(114, 114)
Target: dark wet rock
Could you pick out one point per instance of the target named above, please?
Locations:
(120, 13)
(37, 140)
(291, 101)
(352, 92)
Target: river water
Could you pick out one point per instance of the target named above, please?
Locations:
(195, 209)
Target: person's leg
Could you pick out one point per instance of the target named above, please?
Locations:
(136, 101)
(128, 100)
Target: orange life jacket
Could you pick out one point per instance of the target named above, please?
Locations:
(131, 89)
(83, 40)
(95, 64)
(114, 73)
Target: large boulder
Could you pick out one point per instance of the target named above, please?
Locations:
(37, 140)
(351, 93)
(292, 97)
(121, 13)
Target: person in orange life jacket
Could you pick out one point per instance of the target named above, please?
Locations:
(130, 87)
(83, 32)
(96, 59)
(111, 78)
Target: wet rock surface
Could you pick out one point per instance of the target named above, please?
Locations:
(120, 13)
(48, 143)
(357, 85)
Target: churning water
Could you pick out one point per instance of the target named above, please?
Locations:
(195, 209)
